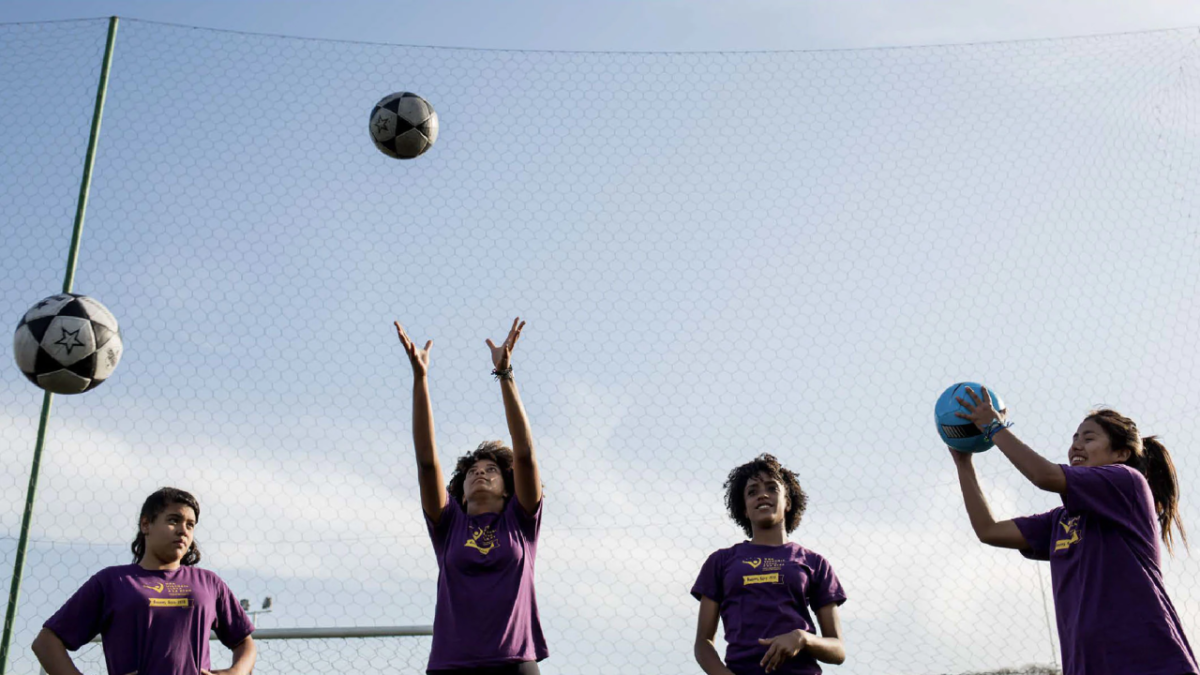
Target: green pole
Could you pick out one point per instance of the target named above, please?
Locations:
(85, 185)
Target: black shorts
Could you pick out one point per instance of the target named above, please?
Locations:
(522, 668)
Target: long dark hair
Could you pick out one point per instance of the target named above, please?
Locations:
(1149, 456)
(496, 451)
(154, 505)
(764, 465)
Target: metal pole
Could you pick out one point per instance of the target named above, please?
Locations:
(85, 185)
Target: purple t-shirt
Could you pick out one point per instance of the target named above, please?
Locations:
(1114, 616)
(152, 622)
(766, 591)
(486, 608)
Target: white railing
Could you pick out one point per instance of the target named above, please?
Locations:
(327, 633)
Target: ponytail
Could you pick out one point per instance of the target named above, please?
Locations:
(1159, 470)
(1150, 457)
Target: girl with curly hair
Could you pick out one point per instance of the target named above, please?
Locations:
(155, 615)
(763, 589)
(484, 527)
(1119, 497)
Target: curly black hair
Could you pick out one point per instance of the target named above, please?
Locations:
(767, 466)
(496, 451)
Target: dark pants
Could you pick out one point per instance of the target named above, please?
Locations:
(522, 668)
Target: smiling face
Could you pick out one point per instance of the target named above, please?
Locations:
(170, 534)
(484, 479)
(1091, 446)
(766, 501)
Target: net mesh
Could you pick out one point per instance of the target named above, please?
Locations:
(719, 254)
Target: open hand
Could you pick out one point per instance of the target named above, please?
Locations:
(979, 410)
(782, 647)
(418, 357)
(502, 355)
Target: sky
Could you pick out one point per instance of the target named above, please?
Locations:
(718, 255)
(645, 25)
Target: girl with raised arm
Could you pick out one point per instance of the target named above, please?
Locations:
(153, 616)
(1120, 497)
(770, 593)
(484, 527)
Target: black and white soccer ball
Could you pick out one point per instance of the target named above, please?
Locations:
(67, 344)
(403, 125)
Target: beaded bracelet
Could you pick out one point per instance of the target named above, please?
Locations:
(503, 374)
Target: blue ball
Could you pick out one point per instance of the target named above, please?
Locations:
(960, 434)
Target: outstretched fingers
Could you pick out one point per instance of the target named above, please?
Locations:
(515, 332)
(404, 339)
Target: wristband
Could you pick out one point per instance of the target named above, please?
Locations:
(994, 427)
(503, 374)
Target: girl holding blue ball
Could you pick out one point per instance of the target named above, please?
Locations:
(1120, 496)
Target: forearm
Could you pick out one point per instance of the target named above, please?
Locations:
(244, 656)
(977, 507)
(52, 654)
(422, 423)
(709, 660)
(518, 421)
(1040, 471)
(826, 649)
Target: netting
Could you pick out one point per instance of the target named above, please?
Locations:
(718, 254)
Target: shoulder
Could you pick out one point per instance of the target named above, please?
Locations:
(808, 556)
(110, 574)
(1120, 475)
(722, 556)
(201, 576)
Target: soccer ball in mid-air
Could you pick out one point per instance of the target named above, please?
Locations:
(403, 125)
(67, 344)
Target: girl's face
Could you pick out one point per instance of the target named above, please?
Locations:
(1091, 446)
(484, 478)
(169, 536)
(766, 502)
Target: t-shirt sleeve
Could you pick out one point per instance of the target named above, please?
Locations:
(1038, 531)
(232, 623)
(824, 588)
(439, 532)
(530, 523)
(81, 619)
(708, 583)
(1114, 492)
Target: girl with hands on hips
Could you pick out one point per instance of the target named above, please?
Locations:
(484, 526)
(1119, 500)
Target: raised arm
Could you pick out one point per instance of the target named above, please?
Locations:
(429, 471)
(52, 654)
(525, 469)
(1003, 534)
(1040, 471)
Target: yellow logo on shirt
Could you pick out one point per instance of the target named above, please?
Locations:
(170, 602)
(1070, 528)
(482, 540)
(753, 563)
(157, 588)
(749, 579)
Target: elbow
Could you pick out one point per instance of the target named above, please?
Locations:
(838, 657)
(43, 643)
(989, 536)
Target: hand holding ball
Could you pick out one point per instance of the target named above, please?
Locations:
(956, 422)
